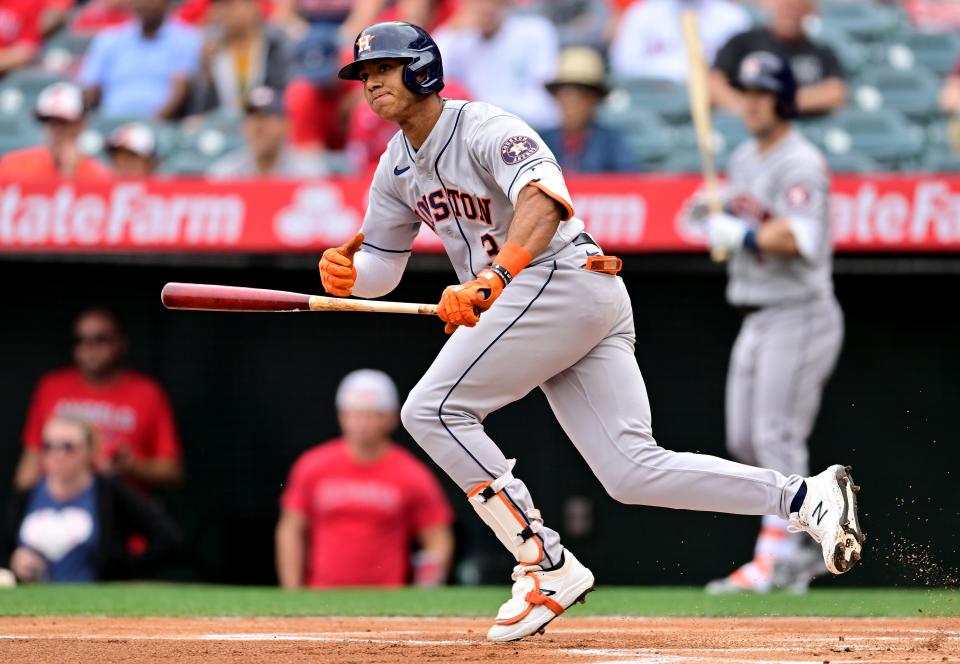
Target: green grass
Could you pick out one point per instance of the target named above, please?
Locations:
(200, 600)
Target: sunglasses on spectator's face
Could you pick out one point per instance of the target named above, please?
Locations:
(61, 445)
(93, 339)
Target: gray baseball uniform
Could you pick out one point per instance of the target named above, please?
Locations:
(556, 326)
(791, 337)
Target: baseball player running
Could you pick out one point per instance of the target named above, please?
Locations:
(538, 306)
(776, 232)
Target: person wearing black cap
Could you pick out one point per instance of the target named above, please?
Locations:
(820, 77)
(266, 153)
(580, 143)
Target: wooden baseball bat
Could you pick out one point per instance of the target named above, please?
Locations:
(208, 297)
(700, 114)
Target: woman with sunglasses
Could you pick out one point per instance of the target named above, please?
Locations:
(73, 524)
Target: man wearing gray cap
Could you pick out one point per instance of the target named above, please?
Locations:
(353, 507)
(266, 153)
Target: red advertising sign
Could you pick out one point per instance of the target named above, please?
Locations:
(627, 214)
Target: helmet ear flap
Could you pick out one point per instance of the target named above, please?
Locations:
(429, 66)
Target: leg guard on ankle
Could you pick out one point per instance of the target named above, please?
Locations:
(513, 530)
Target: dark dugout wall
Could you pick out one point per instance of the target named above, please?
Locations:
(253, 391)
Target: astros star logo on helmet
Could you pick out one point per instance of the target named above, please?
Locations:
(363, 43)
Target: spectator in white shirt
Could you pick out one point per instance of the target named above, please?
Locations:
(504, 59)
(649, 43)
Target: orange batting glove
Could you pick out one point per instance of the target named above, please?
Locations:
(337, 273)
(463, 304)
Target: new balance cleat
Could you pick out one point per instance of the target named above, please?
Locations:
(829, 515)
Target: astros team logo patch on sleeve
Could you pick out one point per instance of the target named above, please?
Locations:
(517, 148)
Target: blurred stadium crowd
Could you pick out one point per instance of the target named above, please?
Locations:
(248, 88)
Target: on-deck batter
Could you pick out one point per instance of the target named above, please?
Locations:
(530, 314)
(777, 232)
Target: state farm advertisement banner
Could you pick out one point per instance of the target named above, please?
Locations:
(627, 214)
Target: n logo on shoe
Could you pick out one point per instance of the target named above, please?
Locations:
(547, 592)
(819, 512)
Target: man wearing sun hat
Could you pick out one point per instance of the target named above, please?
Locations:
(60, 109)
(581, 144)
(133, 150)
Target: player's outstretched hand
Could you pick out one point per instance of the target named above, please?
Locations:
(726, 232)
(337, 273)
(463, 304)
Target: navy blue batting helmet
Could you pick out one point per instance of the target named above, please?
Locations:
(423, 68)
(765, 71)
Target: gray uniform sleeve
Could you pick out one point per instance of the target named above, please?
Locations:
(802, 201)
(515, 155)
(389, 226)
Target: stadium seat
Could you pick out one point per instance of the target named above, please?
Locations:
(18, 136)
(688, 161)
(940, 161)
(852, 54)
(665, 98)
(883, 135)
(729, 131)
(646, 133)
(63, 52)
(851, 162)
(20, 90)
(912, 92)
(94, 138)
(185, 163)
(944, 135)
(936, 51)
(862, 20)
(208, 141)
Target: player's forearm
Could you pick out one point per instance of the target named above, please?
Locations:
(722, 94)
(535, 220)
(820, 97)
(291, 553)
(776, 238)
(377, 275)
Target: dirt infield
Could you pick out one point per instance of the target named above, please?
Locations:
(390, 640)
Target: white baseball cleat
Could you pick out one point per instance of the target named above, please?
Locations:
(538, 597)
(829, 515)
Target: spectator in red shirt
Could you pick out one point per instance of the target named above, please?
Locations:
(353, 507)
(23, 25)
(61, 110)
(130, 411)
(98, 15)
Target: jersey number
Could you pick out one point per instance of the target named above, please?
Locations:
(490, 244)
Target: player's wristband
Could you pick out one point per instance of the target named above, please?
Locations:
(750, 240)
(510, 261)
